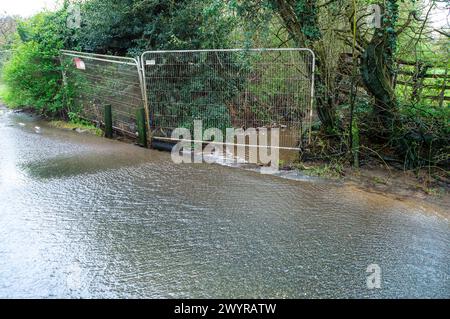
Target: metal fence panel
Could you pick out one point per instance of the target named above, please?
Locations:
(94, 80)
(231, 88)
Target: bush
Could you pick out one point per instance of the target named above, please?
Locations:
(423, 138)
(33, 74)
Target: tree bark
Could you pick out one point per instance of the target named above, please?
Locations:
(302, 25)
(377, 72)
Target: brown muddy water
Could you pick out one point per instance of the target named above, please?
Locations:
(85, 217)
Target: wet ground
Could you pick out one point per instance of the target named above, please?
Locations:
(84, 217)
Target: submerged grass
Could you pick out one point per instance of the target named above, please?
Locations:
(76, 126)
(324, 170)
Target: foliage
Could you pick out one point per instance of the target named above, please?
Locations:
(133, 26)
(417, 129)
(423, 138)
(332, 170)
(33, 74)
(202, 92)
(77, 125)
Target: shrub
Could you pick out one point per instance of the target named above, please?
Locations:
(423, 138)
(33, 74)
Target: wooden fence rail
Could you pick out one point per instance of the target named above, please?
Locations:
(415, 80)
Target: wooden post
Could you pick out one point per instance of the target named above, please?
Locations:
(142, 131)
(108, 121)
(418, 78)
(416, 82)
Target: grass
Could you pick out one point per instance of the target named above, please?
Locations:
(71, 125)
(331, 170)
(82, 127)
(379, 180)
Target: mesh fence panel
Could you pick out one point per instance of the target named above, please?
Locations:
(258, 88)
(94, 80)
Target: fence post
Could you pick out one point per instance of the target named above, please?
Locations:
(108, 121)
(141, 70)
(142, 131)
(418, 78)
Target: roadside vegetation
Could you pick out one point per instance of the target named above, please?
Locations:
(78, 126)
(382, 93)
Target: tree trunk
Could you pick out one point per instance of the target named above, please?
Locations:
(302, 24)
(377, 71)
(324, 98)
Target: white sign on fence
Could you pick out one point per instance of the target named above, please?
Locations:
(79, 64)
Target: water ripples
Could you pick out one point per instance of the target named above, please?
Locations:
(133, 224)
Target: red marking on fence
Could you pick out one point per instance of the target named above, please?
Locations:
(79, 64)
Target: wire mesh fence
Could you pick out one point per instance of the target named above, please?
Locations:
(94, 80)
(234, 88)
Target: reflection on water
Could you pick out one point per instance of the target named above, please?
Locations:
(68, 165)
(86, 217)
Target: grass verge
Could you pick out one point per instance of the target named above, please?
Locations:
(79, 127)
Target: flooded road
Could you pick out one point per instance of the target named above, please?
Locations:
(84, 217)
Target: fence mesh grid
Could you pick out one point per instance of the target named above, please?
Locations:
(95, 80)
(266, 88)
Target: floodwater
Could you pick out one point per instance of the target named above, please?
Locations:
(86, 217)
